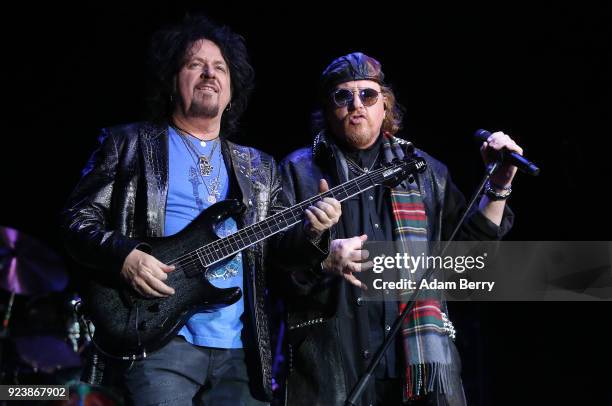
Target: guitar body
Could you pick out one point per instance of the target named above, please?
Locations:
(128, 324)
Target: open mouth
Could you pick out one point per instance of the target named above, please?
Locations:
(356, 119)
(209, 88)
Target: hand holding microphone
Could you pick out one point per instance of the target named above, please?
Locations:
(503, 158)
(500, 143)
(492, 150)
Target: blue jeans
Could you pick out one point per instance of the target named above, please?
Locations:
(184, 374)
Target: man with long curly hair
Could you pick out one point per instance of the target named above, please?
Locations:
(333, 332)
(152, 179)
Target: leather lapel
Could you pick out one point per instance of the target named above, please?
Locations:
(241, 166)
(154, 147)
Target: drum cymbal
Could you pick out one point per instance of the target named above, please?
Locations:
(27, 266)
(46, 353)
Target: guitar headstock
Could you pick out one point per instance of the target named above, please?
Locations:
(396, 171)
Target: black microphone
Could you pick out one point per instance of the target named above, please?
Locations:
(515, 159)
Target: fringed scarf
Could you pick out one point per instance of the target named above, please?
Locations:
(428, 360)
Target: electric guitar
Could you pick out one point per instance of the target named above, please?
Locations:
(130, 326)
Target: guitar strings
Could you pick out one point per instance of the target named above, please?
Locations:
(216, 246)
(213, 247)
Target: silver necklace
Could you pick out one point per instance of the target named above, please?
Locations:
(358, 170)
(214, 192)
(204, 163)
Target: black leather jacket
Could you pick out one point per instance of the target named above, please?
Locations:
(327, 321)
(121, 197)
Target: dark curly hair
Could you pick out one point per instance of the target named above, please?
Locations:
(168, 51)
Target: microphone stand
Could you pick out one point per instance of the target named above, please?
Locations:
(359, 388)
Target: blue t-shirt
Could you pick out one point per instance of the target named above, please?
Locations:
(188, 196)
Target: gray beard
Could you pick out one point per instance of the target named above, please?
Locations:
(203, 110)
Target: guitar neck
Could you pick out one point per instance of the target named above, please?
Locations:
(250, 235)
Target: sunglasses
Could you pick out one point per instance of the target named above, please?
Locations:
(345, 97)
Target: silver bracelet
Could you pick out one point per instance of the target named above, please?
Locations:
(493, 194)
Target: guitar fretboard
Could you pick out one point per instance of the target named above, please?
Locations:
(226, 247)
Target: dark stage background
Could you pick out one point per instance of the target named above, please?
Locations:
(539, 72)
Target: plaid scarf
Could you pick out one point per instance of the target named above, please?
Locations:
(428, 361)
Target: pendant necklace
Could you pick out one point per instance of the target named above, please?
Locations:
(213, 191)
(204, 163)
